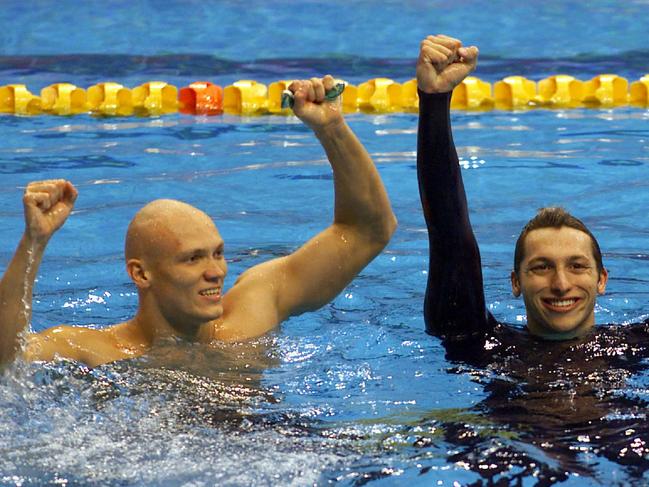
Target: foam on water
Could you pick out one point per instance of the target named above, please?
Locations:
(135, 423)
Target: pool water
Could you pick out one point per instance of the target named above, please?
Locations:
(356, 392)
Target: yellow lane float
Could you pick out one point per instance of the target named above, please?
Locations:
(640, 91)
(155, 98)
(63, 99)
(245, 97)
(275, 91)
(110, 99)
(514, 92)
(350, 98)
(606, 90)
(18, 100)
(377, 95)
(472, 94)
(409, 98)
(560, 91)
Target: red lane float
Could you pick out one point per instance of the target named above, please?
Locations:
(201, 98)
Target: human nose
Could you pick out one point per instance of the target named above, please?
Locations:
(216, 269)
(560, 282)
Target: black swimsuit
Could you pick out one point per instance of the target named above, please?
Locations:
(548, 394)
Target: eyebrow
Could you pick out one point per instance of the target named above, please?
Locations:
(202, 250)
(542, 258)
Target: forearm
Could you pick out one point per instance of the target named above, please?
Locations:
(16, 295)
(454, 303)
(440, 179)
(360, 197)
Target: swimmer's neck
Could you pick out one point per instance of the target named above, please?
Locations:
(147, 330)
(544, 334)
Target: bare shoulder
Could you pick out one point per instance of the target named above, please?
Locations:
(250, 306)
(88, 345)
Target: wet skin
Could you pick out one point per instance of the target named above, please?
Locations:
(174, 256)
(186, 275)
(559, 282)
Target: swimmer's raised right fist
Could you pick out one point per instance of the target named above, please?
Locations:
(311, 103)
(47, 205)
(443, 63)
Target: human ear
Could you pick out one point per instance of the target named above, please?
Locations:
(137, 272)
(602, 280)
(516, 285)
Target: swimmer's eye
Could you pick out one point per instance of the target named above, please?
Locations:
(540, 268)
(193, 258)
(219, 253)
(579, 267)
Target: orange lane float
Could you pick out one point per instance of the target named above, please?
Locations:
(201, 98)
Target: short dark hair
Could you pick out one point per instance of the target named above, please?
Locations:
(554, 217)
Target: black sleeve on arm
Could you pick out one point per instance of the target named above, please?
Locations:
(454, 307)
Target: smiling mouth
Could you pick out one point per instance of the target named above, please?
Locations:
(210, 293)
(561, 305)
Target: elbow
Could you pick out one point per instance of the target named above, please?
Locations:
(391, 227)
(384, 230)
(373, 234)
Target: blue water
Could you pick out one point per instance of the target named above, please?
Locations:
(355, 392)
(311, 28)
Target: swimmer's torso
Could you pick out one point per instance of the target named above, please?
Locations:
(565, 398)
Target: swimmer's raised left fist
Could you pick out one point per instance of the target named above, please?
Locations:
(443, 63)
(47, 205)
(311, 104)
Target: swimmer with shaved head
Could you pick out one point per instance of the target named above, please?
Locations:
(174, 255)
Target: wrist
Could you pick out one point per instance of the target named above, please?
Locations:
(331, 129)
(434, 93)
(34, 243)
(429, 90)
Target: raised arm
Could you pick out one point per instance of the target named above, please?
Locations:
(362, 225)
(363, 220)
(47, 204)
(454, 306)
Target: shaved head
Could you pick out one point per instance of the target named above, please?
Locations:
(174, 255)
(158, 227)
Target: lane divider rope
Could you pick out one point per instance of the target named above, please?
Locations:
(378, 95)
